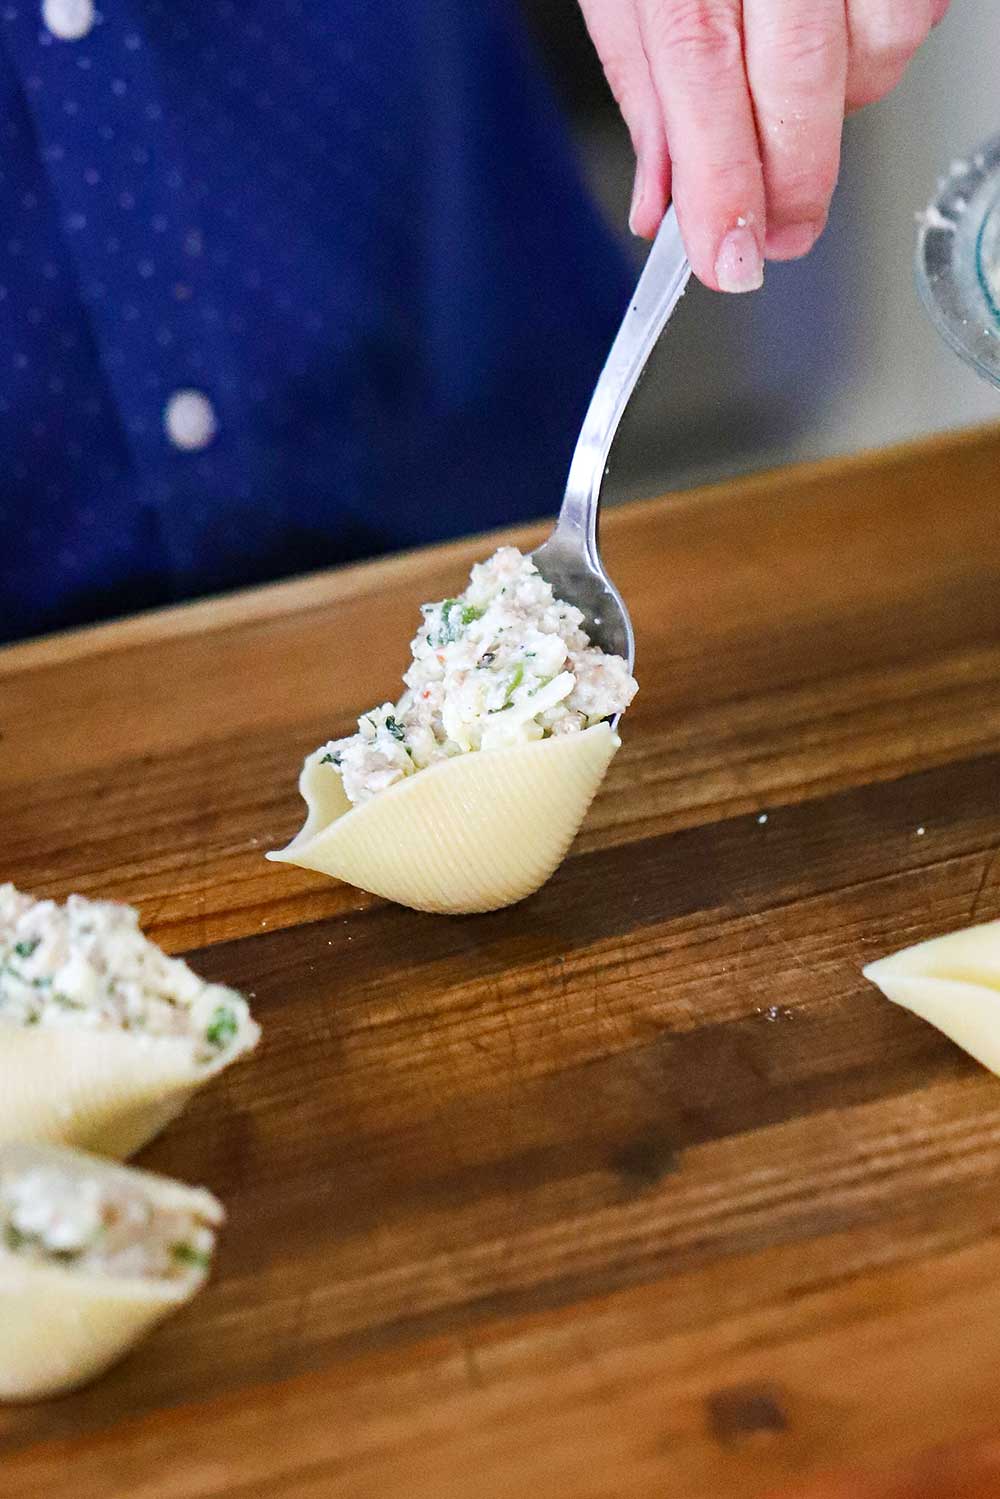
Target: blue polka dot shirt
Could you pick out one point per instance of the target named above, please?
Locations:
(282, 284)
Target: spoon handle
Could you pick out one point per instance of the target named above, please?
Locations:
(660, 288)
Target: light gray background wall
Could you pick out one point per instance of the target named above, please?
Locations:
(835, 354)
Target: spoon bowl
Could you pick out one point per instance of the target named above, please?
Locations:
(571, 559)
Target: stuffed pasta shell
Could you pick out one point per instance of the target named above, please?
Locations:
(92, 1256)
(103, 1038)
(466, 794)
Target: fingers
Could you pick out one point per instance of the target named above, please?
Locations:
(796, 60)
(695, 52)
(750, 97)
(883, 37)
(614, 30)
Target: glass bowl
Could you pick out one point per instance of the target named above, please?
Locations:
(958, 259)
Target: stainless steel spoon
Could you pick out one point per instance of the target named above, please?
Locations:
(571, 560)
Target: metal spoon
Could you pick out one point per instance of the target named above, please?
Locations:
(570, 560)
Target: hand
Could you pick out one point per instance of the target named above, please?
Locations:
(737, 106)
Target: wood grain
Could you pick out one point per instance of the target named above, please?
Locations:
(637, 1189)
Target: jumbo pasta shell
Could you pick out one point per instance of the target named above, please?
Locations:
(953, 982)
(474, 833)
(99, 1089)
(61, 1327)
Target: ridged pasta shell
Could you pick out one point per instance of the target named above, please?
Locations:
(954, 982)
(470, 834)
(99, 1089)
(60, 1326)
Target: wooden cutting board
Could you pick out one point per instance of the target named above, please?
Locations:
(635, 1189)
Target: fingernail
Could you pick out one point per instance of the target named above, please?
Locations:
(739, 266)
(791, 240)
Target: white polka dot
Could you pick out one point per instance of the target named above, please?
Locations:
(69, 20)
(189, 419)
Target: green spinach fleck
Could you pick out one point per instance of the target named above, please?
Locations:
(455, 617)
(222, 1027)
(516, 678)
(186, 1254)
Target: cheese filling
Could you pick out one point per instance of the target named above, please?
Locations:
(87, 964)
(503, 664)
(64, 1216)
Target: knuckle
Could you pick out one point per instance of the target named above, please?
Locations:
(700, 36)
(807, 56)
